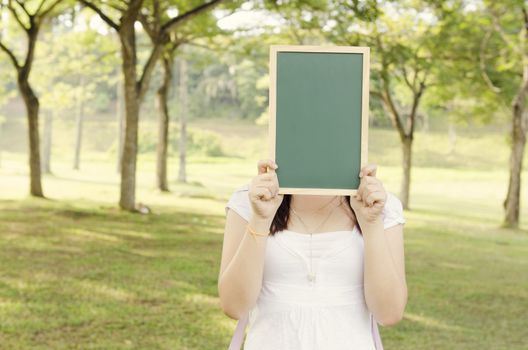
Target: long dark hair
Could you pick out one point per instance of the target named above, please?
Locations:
(280, 220)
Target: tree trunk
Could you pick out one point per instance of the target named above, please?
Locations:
(406, 179)
(0, 144)
(425, 119)
(32, 108)
(47, 141)
(120, 124)
(513, 198)
(163, 132)
(79, 124)
(128, 163)
(184, 110)
(452, 138)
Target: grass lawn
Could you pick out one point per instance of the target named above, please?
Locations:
(77, 273)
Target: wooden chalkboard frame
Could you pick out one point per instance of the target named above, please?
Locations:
(274, 50)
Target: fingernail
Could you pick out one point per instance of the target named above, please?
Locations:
(360, 174)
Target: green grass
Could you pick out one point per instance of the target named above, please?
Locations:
(91, 277)
(77, 273)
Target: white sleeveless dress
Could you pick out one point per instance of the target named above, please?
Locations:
(328, 313)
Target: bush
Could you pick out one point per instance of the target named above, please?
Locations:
(198, 142)
(205, 142)
(147, 141)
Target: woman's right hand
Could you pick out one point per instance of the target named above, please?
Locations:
(263, 191)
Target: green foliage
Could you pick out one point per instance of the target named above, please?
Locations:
(75, 64)
(480, 69)
(199, 142)
(203, 142)
(229, 84)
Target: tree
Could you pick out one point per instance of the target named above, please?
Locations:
(81, 61)
(29, 16)
(134, 88)
(491, 76)
(402, 60)
(202, 27)
(4, 96)
(409, 63)
(511, 26)
(184, 112)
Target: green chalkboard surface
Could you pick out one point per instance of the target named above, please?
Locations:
(319, 117)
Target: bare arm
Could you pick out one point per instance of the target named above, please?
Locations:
(385, 285)
(242, 264)
(384, 272)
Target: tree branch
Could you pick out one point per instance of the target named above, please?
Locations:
(30, 53)
(142, 84)
(525, 17)
(385, 94)
(15, 14)
(393, 112)
(482, 63)
(503, 35)
(146, 26)
(406, 78)
(49, 9)
(171, 48)
(160, 37)
(116, 7)
(168, 26)
(416, 101)
(101, 14)
(21, 4)
(130, 16)
(40, 6)
(11, 55)
(525, 42)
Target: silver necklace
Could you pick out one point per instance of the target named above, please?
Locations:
(321, 208)
(311, 274)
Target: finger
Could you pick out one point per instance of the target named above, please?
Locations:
(374, 184)
(368, 170)
(274, 189)
(379, 204)
(361, 189)
(266, 176)
(267, 179)
(263, 192)
(373, 197)
(373, 187)
(369, 179)
(264, 164)
(274, 178)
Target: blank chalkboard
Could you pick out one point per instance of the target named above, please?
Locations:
(318, 130)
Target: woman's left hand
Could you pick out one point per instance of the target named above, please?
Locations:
(370, 198)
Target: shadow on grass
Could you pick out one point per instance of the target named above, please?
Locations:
(458, 218)
(84, 276)
(81, 275)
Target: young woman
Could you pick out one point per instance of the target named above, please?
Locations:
(314, 272)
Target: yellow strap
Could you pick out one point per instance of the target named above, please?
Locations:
(254, 233)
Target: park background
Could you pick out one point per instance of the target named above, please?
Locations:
(110, 240)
